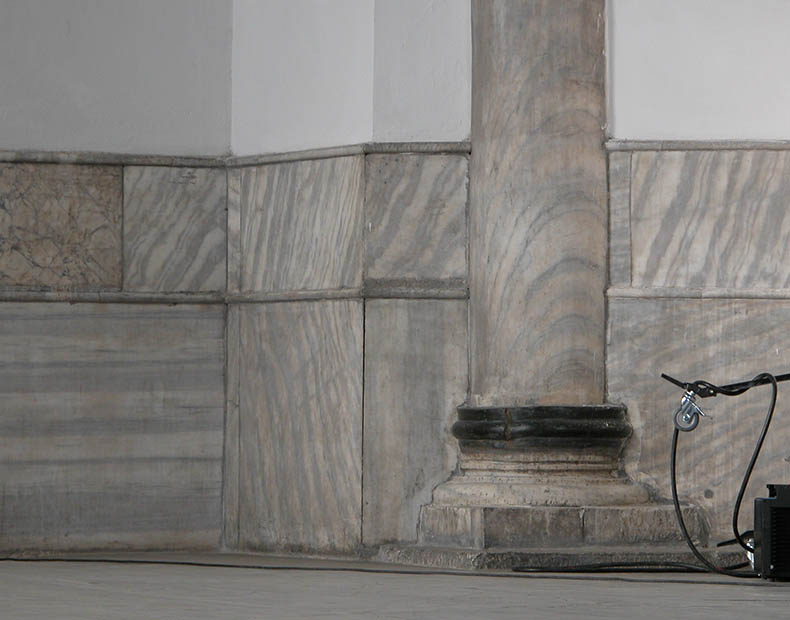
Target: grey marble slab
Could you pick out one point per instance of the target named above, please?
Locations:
(234, 230)
(620, 218)
(718, 340)
(174, 229)
(415, 376)
(111, 433)
(415, 216)
(537, 208)
(301, 225)
(230, 460)
(60, 226)
(301, 426)
(711, 219)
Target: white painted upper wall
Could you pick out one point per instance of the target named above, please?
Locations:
(141, 76)
(423, 70)
(302, 74)
(699, 69)
(209, 77)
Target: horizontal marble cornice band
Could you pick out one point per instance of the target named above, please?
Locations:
(543, 425)
(452, 288)
(627, 292)
(430, 291)
(697, 145)
(230, 161)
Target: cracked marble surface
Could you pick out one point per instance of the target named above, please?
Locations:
(60, 227)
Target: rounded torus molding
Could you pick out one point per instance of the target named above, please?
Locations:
(543, 426)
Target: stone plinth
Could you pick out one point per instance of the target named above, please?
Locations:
(542, 477)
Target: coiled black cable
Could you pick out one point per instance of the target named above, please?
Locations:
(710, 389)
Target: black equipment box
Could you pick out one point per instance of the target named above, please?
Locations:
(772, 533)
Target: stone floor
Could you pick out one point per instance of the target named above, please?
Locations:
(302, 588)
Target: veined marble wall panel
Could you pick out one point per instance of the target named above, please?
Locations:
(174, 229)
(415, 213)
(620, 219)
(60, 226)
(111, 433)
(301, 225)
(301, 425)
(234, 230)
(711, 219)
(537, 206)
(230, 470)
(415, 376)
(721, 341)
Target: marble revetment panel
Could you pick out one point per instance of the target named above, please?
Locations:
(111, 433)
(60, 227)
(300, 423)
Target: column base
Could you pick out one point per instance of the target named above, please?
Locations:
(543, 478)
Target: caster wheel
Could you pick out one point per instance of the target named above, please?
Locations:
(686, 420)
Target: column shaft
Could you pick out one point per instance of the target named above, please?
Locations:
(537, 202)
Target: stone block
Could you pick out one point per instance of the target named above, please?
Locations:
(622, 525)
(415, 375)
(451, 526)
(60, 227)
(529, 526)
(710, 219)
(111, 433)
(301, 225)
(300, 421)
(415, 213)
(174, 229)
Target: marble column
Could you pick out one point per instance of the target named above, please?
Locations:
(537, 202)
(540, 451)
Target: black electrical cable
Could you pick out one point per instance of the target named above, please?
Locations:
(700, 387)
(679, 515)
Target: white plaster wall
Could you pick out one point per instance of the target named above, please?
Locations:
(699, 69)
(302, 74)
(423, 76)
(141, 76)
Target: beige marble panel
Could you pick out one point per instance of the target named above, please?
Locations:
(620, 218)
(415, 214)
(60, 226)
(415, 376)
(537, 202)
(301, 425)
(174, 229)
(301, 225)
(711, 219)
(111, 433)
(718, 340)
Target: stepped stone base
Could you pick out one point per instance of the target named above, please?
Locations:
(559, 558)
(484, 527)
